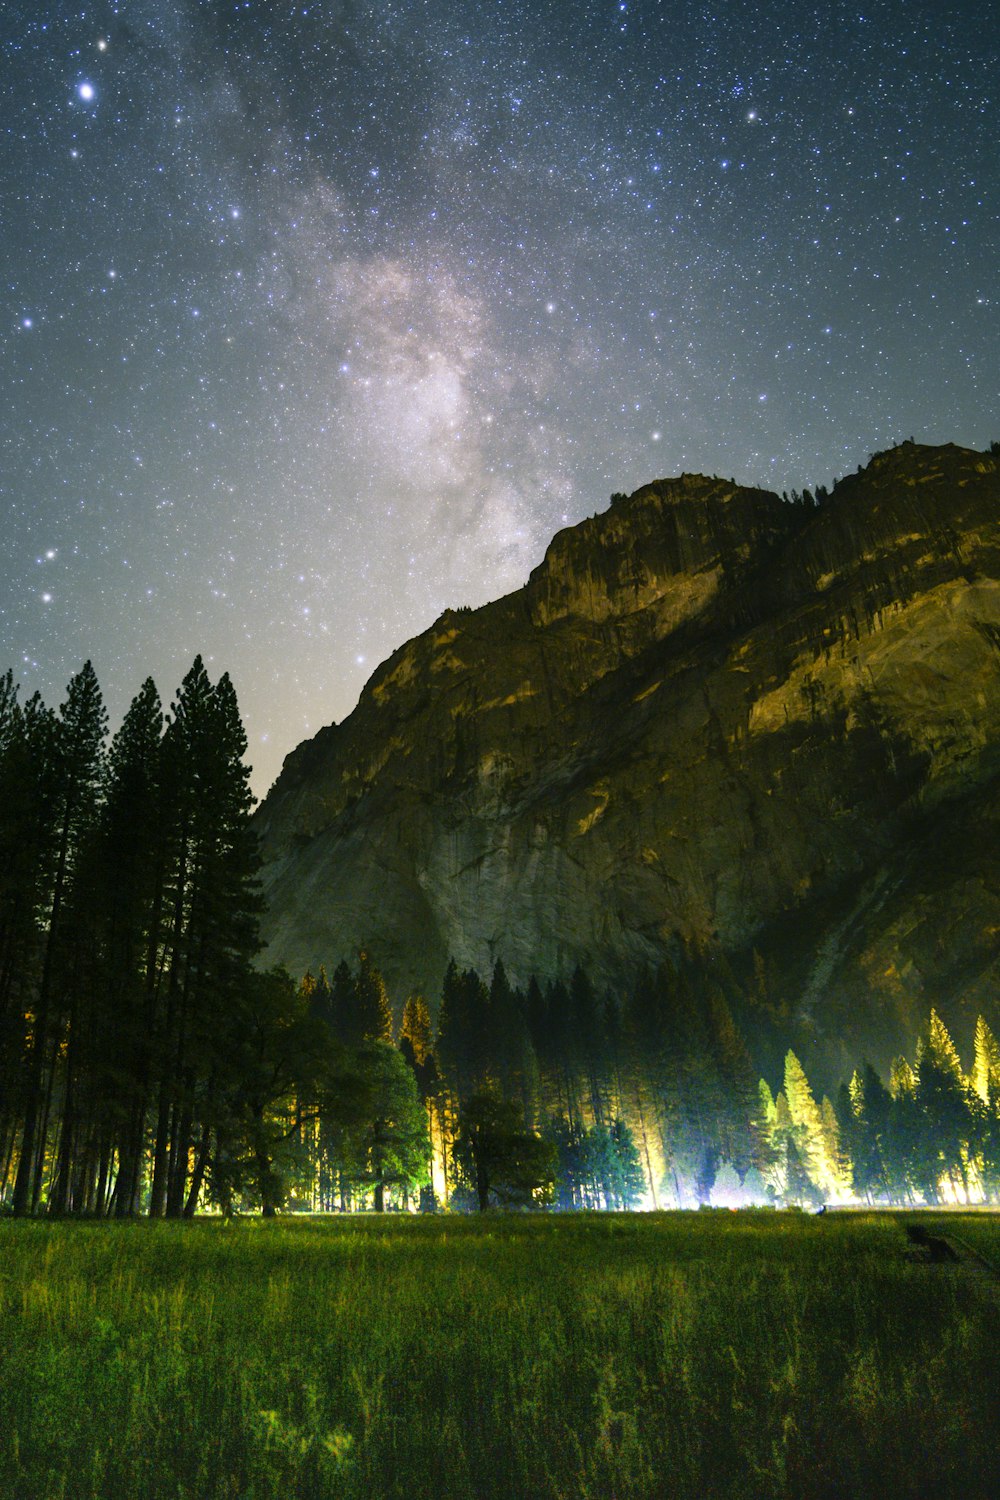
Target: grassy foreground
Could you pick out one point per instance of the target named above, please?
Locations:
(669, 1355)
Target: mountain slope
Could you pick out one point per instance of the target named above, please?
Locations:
(710, 721)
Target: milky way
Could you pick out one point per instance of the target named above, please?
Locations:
(318, 318)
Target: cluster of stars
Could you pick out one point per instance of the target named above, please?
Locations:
(319, 320)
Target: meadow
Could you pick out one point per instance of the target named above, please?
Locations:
(713, 1354)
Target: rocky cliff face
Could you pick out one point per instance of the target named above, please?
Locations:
(710, 721)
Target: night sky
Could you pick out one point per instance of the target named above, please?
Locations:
(319, 318)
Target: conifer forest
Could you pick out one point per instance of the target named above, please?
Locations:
(152, 1064)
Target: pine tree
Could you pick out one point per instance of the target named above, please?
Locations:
(938, 1043)
(27, 845)
(77, 748)
(902, 1144)
(984, 1101)
(415, 1043)
(838, 1161)
(986, 1067)
(641, 1045)
(342, 1003)
(461, 1026)
(807, 1126)
(212, 907)
(372, 1015)
(416, 1028)
(943, 1103)
(628, 1182)
(509, 1061)
(795, 1182)
(587, 1024)
(866, 1124)
(773, 1152)
(129, 859)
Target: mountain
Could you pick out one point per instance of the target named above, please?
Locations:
(712, 723)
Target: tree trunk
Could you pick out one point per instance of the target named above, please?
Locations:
(180, 1147)
(61, 1199)
(198, 1176)
(482, 1182)
(158, 1190)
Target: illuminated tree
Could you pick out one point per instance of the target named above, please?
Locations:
(395, 1147)
(415, 1045)
(417, 1029)
(796, 1182)
(807, 1127)
(569, 1143)
(626, 1179)
(986, 1067)
(371, 1020)
(838, 1162)
(938, 1043)
(985, 1108)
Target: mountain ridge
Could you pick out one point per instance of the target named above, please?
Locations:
(709, 716)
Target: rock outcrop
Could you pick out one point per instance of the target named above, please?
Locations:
(713, 722)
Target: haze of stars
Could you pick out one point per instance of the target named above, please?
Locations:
(318, 318)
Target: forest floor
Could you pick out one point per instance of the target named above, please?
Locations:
(751, 1354)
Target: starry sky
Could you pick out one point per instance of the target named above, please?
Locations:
(320, 317)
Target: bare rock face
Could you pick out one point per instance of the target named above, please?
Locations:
(711, 721)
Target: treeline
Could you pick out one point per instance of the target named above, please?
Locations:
(931, 1134)
(554, 1095)
(548, 1094)
(149, 1065)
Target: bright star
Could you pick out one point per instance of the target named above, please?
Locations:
(86, 91)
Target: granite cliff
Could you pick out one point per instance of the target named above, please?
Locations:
(712, 722)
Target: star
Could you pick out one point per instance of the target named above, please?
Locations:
(392, 338)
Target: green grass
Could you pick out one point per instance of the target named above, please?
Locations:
(669, 1355)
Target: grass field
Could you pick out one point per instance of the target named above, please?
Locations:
(644, 1355)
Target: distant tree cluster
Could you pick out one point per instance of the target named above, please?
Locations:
(932, 1135)
(552, 1095)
